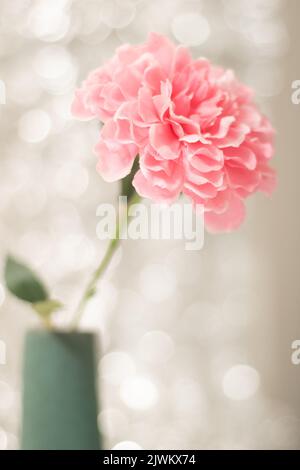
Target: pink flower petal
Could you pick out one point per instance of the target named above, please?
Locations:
(241, 156)
(115, 161)
(164, 141)
(79, 108)
(145, 188)
(227, 221)
(196, 128)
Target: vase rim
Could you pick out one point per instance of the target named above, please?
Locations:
(54, 332)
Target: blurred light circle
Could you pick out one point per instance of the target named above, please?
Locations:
(267, 32)
(112, 422)
(37, 243)
(90, 19)
(52, 62)
(117, 13)
(3, 439)
(15, 169)
(241, 307)
(156, 347)
(2, 294)
(203, 320)
(61, 85)
(34, 126)
(177, 259)
(94, 317)
(266, 78)
(60, 114)
(139, 27)
(131, 323)
(64, 219)
(62, 106)
(23, 78)
(109, 294)
(6, 396)
(232, 271)
(173, 436)
(235, 21)
(12, 442)
(127, 445)
(89, 16)
(116, 366)
(97, 36)
(139, 393)
(76, 252)
(188, 398)
(72, 180)
(30, 200)
(48, 21)
(240, 382)
(158, 282)
(191, 29)
(257, 8)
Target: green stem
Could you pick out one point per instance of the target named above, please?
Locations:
(48, 324)
(91, 287)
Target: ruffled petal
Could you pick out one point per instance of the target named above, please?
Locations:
(228, 220)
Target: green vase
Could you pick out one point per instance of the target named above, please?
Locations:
(59, 392)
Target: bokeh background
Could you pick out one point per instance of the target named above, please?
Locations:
(194, 347)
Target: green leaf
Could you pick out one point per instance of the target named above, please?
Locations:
(47, 307)
(23, 283)
(127, 189)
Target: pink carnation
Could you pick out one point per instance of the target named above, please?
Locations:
(195, 128)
